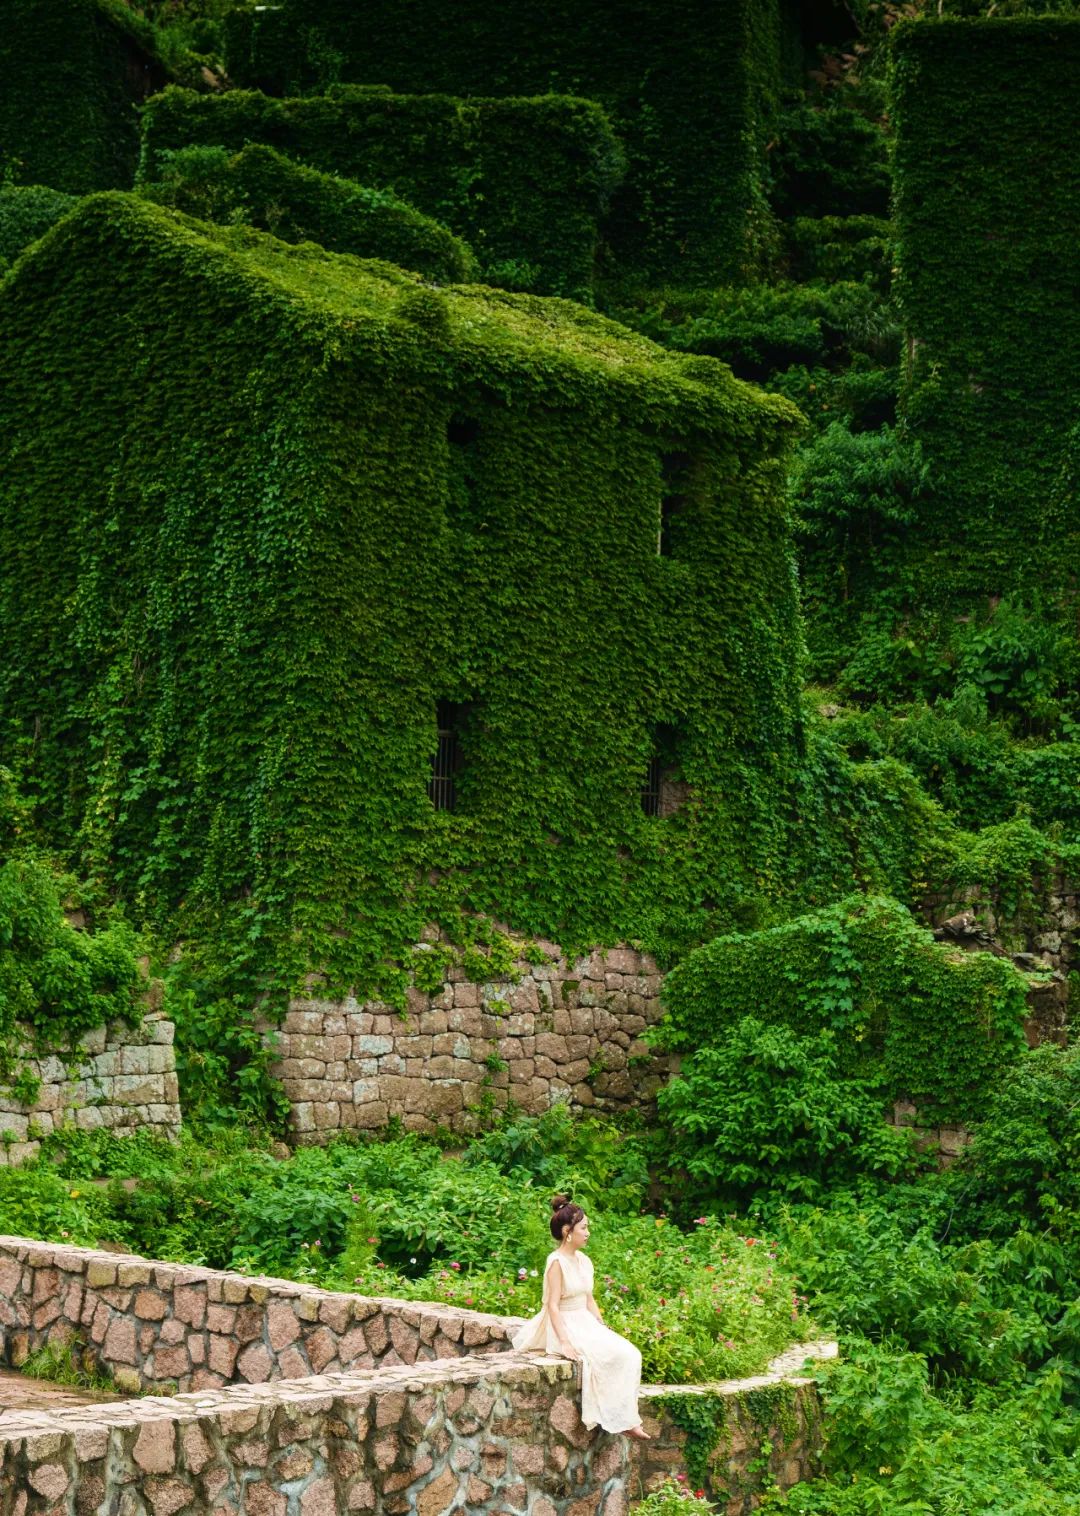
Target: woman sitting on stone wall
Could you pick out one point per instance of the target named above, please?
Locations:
(570, 1323)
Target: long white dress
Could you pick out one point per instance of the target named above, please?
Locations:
(610, 1366)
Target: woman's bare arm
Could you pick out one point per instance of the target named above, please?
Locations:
(552, 1291)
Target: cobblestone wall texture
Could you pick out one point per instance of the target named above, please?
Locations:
(156, 1324)
(499, 1434)
(122, 1078)
(558, 1029)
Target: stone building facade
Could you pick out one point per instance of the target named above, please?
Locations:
(554, 1029)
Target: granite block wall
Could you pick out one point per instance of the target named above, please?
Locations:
(120, 1077)
(556, 1029)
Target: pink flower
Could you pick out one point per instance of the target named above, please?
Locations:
(701, 1220)
(455, 1266)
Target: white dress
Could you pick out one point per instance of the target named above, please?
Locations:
(610, 1366)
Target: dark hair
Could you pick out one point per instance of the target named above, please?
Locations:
(564, 1213)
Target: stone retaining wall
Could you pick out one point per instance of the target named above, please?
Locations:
(496, 1435)
(121, 1078)
(558, 1029)
(499, 1434)
(779, 1407)
(153, 1324)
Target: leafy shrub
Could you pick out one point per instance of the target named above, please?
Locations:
(1023, 1168)
(26, 213)
(674, 1498)
(54, 979)
(35, 1201)
(937, 1026)
(595, 1161)
(834, 248)
(765, 1107)
(830, 162)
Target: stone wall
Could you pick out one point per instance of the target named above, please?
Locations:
(1044, 943)
(475, 1435)
(500, 1434)
(557, 1029)
(780, 1407)
(121, 1078)
(153, 1324)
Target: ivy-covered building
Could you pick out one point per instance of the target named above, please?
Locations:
(987, 193)
(691, 89)
(72, 76)
(333, 603)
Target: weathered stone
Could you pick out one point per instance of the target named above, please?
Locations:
(155, 1447)
(255, 1363)
(437, 1496)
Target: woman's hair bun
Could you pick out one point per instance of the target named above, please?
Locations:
(558, 1201)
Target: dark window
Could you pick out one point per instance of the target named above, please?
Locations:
(664, 790)
(447, 757)
(675, 473)
(650, 794)
(461, 431)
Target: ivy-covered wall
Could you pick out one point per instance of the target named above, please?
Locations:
(263, 188)
(987, 187)
(691, 89)
(236, 577)
(524, 182)
(933, 1024)
(71, 75)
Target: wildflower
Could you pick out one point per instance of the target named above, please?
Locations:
(74, 1194)
(456, 1267)
(523, 1273)
(699, 1494)
(701, 1220)
(662, 1300)
(533, 1273)
(373, 1240)
(468, 1300)
(412, 1260)
(65, 1234)
(380, 1265)
(682, 1478)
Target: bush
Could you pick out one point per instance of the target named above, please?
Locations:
(26, 213)
(931, 1024)
(767, 1109)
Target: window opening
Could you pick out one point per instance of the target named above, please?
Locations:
(674, 471)
(664, 791)
(447, 758)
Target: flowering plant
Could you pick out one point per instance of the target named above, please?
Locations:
(675, 1498)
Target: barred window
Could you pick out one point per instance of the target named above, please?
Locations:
(664, 790)
(447, 758)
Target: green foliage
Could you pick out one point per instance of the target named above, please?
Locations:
(691, 93)
(35, 1201)
(832, 249)
(673, 1498)
(55, 980)
(459, 161)
(829, 161)
(932, 1024)
(262, 188)
(765, 1108)
(598, 1164)
(68, 104)
(247, 655)
(26, 213)
(987, 192)
(1022, 1169)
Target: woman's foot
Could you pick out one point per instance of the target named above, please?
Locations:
(640, 1433)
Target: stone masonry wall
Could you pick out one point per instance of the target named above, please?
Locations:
(498, 1435)
(556, 1030)
(121, 1078)
(153, 1324)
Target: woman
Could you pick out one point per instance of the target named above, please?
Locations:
(570, 1323)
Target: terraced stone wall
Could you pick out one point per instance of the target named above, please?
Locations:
(557, 1029)
(152, 1324)
(121, 1078)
